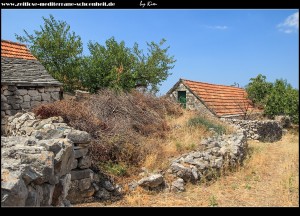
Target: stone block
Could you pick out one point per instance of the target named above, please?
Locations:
(55, 96)
(84, 162)
(5, 106)
(26, 98)
(33, 93)
(74, 164)
(3, 98)
(84, 184)
(80, 152)
(16, 106)
(46, 96)
(25, 105)
(79, 137)
(41, 90)
(36, 98)
(21, 92)
(35, 103)
(80, 174)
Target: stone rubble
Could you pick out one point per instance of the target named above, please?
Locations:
(46, 163)
(264, 131)
(219, 152)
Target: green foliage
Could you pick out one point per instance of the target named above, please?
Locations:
(278, 98)
(112, 65)
(213, 201)
(283, 100)
(119, 67)
(179, 146)
(115, 169)
(200, 121)
(258, 89)
(58, 49)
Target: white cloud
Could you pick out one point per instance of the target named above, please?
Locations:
(290, 24)
(218, 27)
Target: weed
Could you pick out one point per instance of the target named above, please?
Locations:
(114, 169)
(213, 201)
(179, 146)
(209, 125)
(247, 186)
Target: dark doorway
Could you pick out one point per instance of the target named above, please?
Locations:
(182, 98)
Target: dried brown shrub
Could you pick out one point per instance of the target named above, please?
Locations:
(117, 121)
(74, 114)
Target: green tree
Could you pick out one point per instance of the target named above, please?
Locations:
(114, 65)
(278, 98)
(258, 89)
(283, 100)
(292, 107)
(58, 49)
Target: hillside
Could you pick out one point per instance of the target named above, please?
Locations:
(133, 132)
(269, 177)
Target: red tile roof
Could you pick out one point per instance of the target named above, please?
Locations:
(220, 99)
(15, 50)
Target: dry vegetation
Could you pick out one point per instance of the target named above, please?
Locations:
(270, 177)
(132, 130)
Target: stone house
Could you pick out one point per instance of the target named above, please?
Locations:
(25, 83)
(211, 99)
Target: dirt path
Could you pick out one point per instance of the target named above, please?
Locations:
(270, 177)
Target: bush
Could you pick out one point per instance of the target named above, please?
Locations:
(74, 113)
(114, 169)
(278, 98)
(117, 121)
(204, 122)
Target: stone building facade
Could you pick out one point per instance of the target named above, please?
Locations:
(25, 83)
(192, 102)
(211, 99)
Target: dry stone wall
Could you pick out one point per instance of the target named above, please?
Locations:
(265, 131)
(46, 163)
(19, 98)
(219, 152)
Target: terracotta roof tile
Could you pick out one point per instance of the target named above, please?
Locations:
(20, 67)
(11, 49)
(222, 100)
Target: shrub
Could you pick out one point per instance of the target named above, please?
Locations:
(278, 98)
(117, 121)
(114, 169)
(201, 121)
(75, 114)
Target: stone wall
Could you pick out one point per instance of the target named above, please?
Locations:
(46, 163)
(192, 103)
(265, 131)
(19, 98)
(219, 152)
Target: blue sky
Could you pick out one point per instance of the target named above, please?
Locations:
(214, 46)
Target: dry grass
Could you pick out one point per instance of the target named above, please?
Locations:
(180, 139)
(131, 130)
(270, 177)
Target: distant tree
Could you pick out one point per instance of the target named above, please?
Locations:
(278, 98)
(283, 100)
(116, 66)
(58, 49)
(258, 89)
